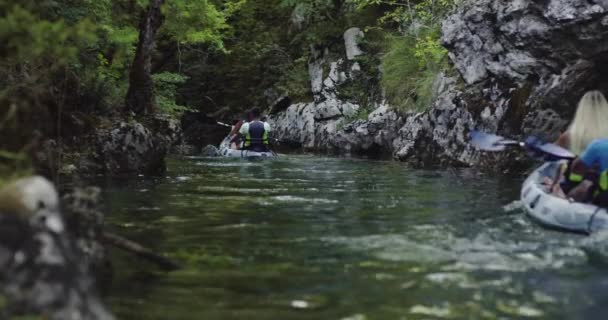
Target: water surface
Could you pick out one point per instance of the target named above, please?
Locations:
(306, 237)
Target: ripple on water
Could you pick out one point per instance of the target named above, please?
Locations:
(229, 164)
(303, 200)
(461, 254)
(220, 189)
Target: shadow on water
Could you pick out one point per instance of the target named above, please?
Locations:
(304, 237)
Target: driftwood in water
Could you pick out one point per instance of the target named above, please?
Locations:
(140, 251)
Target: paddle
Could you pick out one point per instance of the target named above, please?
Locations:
(491, 142)
(291, 143)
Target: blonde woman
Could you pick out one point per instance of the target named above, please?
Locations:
(590, 123)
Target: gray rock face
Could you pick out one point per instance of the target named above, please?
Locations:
(372, 136)
(524, 65)
(439, 135)
(131, 148)
(351, 42)
(330, 124)
(42, 269)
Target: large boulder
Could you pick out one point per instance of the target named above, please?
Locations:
(130, 147)
(43, 271)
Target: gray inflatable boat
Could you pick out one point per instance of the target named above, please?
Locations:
(559, 213)
(226, 151)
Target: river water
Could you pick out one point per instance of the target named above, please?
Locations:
(305, 237)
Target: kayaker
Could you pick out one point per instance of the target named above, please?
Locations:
(255, 132)
(235, 140)
(593, 187)
(590, 122)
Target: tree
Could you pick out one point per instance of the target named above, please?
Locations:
(140, 96)
(187, 22)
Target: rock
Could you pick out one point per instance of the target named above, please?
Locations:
(438, 135)
(327, 110)
(372, 136)
(352, 37)
(131, 148)
(280, 104)
(516, 78)
(328, 124)
(315, 71)
(85, 223)
(42, 269)
(167, 129)
(210, 151)
(297, 123)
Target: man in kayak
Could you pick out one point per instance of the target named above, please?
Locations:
(593, 166)
(255, 132)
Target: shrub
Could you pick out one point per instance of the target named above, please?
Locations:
(165, 86)
(410, 66)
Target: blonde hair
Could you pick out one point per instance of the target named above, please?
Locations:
(590, 121)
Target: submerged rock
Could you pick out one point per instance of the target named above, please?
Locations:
(42, 269)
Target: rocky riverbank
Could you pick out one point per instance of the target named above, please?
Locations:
(521, 67)
(116, 146)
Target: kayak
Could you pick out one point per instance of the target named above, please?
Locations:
(558, 213)
(226, 151)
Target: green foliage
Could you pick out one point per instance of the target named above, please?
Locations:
(195, 21)
(165, 86)
(410, 66)
(295, 80)
(413, 55)
(405, 12)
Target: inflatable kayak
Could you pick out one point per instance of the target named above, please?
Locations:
(559, 213)
(226, 151)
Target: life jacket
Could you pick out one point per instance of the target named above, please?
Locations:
(257, 137)
(600, 192)
(571, 179)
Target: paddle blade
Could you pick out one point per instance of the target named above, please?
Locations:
(547, 151)
(490, 142)
(556, 152)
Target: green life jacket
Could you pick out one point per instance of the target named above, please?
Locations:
(600, 194)
(571, 179)
(256, 137)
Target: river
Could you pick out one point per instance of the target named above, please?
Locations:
(305, 237)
